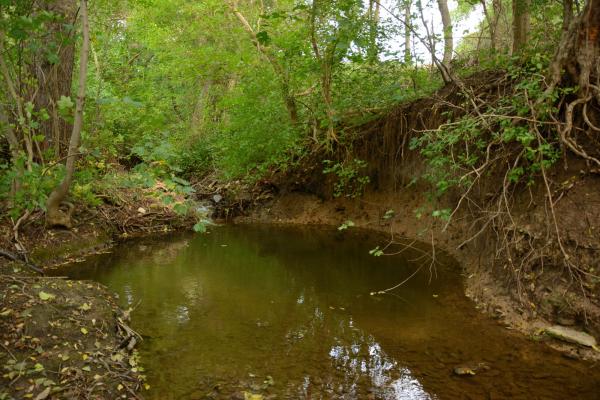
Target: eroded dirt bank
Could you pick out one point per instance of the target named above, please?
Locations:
(491, 293)
(530, 251)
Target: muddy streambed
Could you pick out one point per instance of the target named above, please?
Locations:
(287, 313)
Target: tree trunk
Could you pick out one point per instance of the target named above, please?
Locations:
(55, 77)
(373, 17)
(200, 110)
(13, 144)
(567, 14)
(18, 103)
(54, 216)
(492, 20)
(577, 64)
(447, 25)
(288, 97)
(407, 33)
(520, 9)
(326, 62)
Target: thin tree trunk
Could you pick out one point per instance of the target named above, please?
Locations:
(288, 98)
(407, 33)
(444, 69)
(54, 216)
(199, 114)
(10, 86)
(567, 14)
(447, 24)
(326, 62)
(9, 133)
(520, 9)
(13, 143)
(492, 21)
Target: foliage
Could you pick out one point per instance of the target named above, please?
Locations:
(33, 189)
(183, 89)
(350, 181)
(513, 124)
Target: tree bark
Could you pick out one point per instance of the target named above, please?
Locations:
(18, 103)
(492, 19)
(13, 144)
(567, 14)
(374, 10)
(577, 64)
(55, 78)
(447, 25)
(54, 216)
(407, 33)
(199, 114)
(326, 62)
(520, 9)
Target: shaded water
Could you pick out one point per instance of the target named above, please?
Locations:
(287, 313)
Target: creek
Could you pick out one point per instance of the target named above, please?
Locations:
(288, 313)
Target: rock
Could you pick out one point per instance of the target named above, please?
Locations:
(463, 371)
(566, 321)
(217, 198)
(470, 369)
(571, 336)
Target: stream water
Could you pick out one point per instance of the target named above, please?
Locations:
(287, 313)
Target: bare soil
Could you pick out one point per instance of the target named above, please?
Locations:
(63, 339)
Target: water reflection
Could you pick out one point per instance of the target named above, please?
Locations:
(287, 313)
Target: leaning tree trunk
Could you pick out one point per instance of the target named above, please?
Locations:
(54, 215)
(407, 32)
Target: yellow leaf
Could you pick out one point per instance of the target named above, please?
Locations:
(84, 331)
(46, 296)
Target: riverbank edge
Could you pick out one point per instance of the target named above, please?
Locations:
(56, 311)
(489, 295)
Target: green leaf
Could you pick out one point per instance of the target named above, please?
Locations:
(65, 103)
(263, 38)
(46, 296)
(199, 227)
(346, 225)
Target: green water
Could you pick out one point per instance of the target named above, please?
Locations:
(287, 313)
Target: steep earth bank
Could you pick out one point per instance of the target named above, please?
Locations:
(510, 240)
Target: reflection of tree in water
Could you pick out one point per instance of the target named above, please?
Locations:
(366, 366)
(355, 365)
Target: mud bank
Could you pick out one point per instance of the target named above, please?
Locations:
(64, 339)
(530, 250)
(491, 294)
